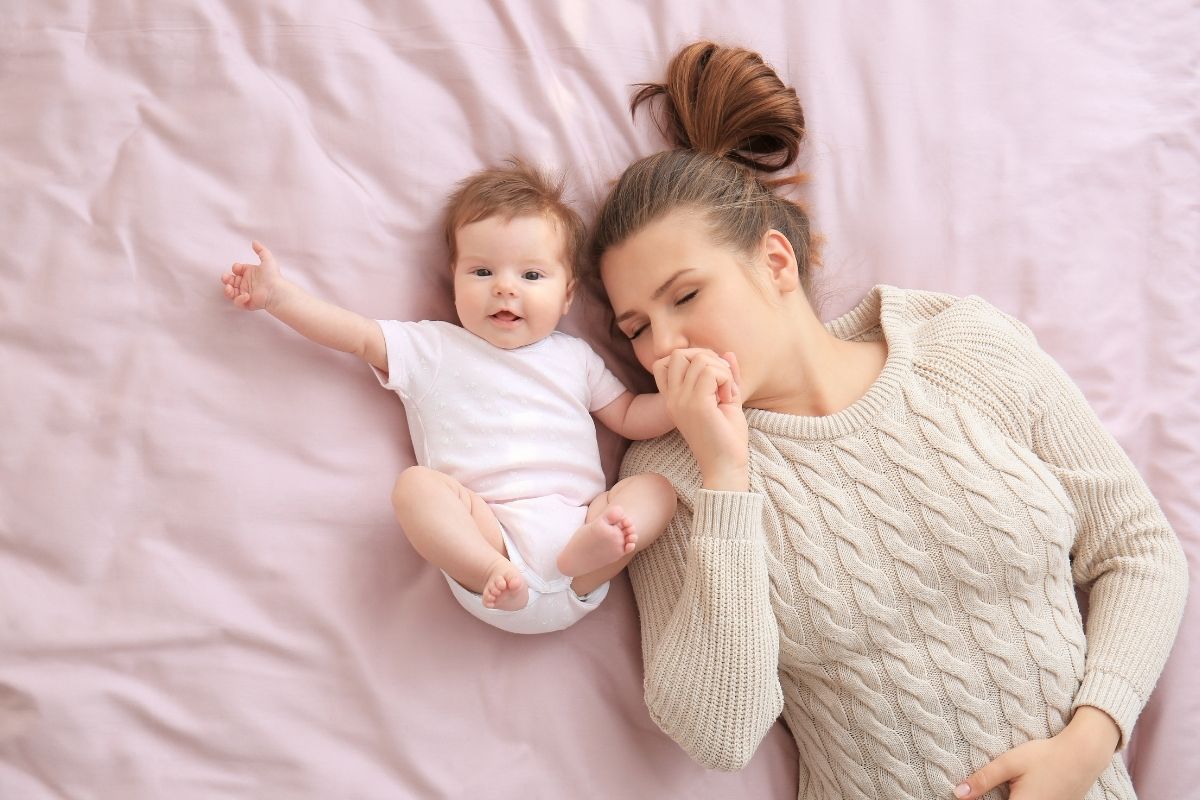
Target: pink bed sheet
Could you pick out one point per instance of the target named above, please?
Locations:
(202, 591)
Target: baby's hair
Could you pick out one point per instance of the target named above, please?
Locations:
(515, 190)
(728, 115)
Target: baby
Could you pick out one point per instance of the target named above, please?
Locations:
(508, 500)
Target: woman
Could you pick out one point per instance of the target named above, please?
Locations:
(880, 536)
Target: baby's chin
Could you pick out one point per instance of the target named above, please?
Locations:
(508, 334)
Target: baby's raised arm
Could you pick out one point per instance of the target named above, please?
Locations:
(261, 286)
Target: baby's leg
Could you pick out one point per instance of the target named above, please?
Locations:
(453, 529)
(620, 522)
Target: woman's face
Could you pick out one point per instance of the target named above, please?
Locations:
(671, 287)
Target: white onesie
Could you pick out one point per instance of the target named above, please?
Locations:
(515, 427)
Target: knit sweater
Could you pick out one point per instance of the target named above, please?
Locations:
(899, 580)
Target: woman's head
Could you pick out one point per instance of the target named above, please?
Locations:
(729, 116)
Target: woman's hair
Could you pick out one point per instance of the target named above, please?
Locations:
(516, 190)
(729, 116)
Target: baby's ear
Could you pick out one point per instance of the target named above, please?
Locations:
(570, 295)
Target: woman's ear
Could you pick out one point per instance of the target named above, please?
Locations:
(780, 260)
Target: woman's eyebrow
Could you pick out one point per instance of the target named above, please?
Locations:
(659, 292)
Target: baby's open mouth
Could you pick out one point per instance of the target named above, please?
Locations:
(505, 316)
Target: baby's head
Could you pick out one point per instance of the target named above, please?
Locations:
(514, 247)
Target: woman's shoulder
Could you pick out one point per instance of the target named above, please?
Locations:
(971, 350)
(941, 316)
(966, 331)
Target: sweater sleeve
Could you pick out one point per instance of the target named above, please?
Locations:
(710, 642)
(1125, 554)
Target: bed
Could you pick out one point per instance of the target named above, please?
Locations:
(203, 593)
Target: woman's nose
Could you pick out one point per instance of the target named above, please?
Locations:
(666, 341)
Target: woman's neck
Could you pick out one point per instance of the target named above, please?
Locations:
(819, 374)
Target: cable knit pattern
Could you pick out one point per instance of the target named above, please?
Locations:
(898, 583)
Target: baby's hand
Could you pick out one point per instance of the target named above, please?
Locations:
(252, 286)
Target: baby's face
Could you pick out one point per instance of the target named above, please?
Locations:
(511, 285)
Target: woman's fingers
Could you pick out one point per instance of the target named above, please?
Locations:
(659, 371)
(1001, 770)
(705, 376)
(711, 374)
(676, 368)
(730, 358)
(692, 370)
(671, 370)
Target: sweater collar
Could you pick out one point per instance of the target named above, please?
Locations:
(878, 315)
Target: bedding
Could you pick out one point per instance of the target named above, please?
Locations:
(203, 593)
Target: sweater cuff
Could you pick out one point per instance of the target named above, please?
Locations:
(1113, 695)
(727, 515)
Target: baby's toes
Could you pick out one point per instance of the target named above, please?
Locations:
(490, 591)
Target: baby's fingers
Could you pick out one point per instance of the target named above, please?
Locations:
(264, 255)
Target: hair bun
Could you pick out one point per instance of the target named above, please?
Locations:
(727, 102)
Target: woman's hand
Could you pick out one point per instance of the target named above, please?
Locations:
(253, 286)
(1063, 767)
(701, 390)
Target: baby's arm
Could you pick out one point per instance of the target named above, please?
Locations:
(261, 286)
(646, 416)
(637, 416)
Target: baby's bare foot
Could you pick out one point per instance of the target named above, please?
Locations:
(599, 542)
(504, 588)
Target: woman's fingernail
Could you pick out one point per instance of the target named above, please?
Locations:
(962, 790)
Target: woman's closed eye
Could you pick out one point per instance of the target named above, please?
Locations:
(687, 298)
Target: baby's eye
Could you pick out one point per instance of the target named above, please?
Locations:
(482, 272)
(532, 275)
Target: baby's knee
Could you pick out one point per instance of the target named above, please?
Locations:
(661, 487)
(422, 484)
(654, 485)
(410, 483)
